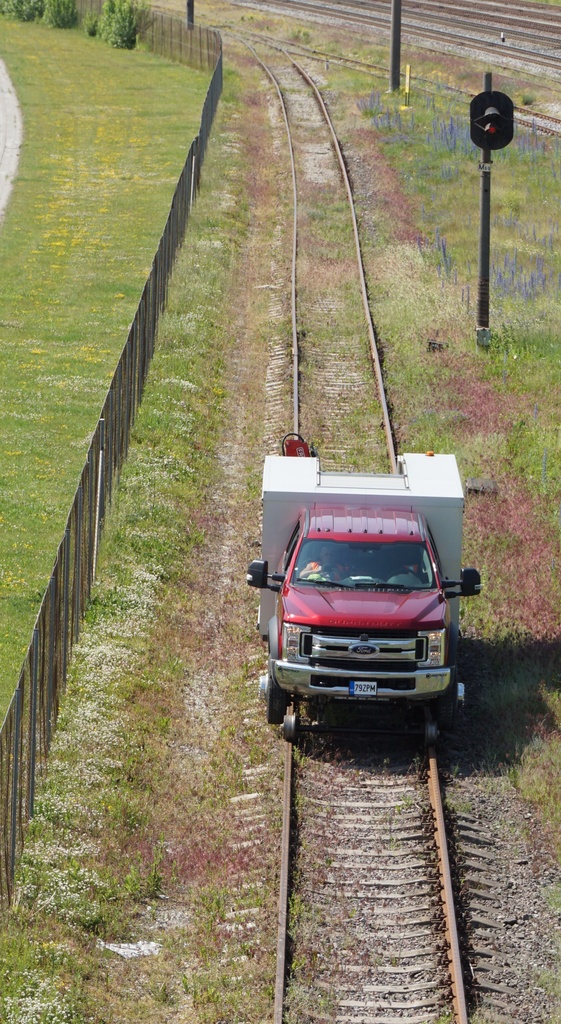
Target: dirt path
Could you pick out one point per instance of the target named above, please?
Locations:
(11, 135)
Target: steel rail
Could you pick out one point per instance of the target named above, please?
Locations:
(282, 919)
(374, 351)
(528, 30)
(441, 38)
(283, 888)
(282, 916)
(447, 893)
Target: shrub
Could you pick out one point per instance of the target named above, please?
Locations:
(90, 23)
(23, 10)
(119, 23)
(60, 13)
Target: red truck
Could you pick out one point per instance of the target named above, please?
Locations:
(362, 603)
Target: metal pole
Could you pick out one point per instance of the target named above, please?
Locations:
(15, 781)
(110, 461)
(78, 564)
(119, 418)
(91, 490)
(33, 722)
(193, 170)
(395, 46)
(190, 13)
(483, 333)
(52, 639)
(99, 509)
(67, 643)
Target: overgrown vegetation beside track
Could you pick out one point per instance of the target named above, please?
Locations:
(106, 135)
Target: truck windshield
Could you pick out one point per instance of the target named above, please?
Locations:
(365, 565)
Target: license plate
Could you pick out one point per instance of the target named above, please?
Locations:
(363, 688)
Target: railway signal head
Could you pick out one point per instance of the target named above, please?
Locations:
(491, 120)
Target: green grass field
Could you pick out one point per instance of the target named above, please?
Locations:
(106, 133)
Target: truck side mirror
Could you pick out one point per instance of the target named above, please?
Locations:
(471, 582)
(257, 573)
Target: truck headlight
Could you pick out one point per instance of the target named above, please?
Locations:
(291, 641)
(435, 648)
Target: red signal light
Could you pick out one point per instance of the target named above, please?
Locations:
(492, 120)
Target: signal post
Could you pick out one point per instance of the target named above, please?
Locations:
(491, 127)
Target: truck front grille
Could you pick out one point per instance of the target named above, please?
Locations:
(354, 650)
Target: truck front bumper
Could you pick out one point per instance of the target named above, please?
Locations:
(309, 681)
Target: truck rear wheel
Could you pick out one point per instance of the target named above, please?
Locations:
(275, 702)
(447, 707)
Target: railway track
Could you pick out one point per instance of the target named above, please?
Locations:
(529, 37)
(371, 872)
(544, 28)
(334, 348)
(533, 120)
(538, 121)
(374, 938)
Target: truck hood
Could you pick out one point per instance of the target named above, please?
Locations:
(372, 609)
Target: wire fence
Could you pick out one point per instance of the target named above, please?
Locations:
(26, 733)
(172, 38)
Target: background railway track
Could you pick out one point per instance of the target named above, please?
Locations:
(543, 26)
(545, 123)
(532, 35)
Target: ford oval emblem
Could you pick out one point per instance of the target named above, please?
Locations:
(363, 649)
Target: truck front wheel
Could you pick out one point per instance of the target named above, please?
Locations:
(275, 702)
(447, 707)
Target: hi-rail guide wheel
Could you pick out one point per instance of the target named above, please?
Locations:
(290, 728)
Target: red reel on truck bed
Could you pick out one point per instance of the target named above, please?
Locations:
(294, 445)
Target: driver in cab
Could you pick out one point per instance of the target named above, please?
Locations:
(326, 567)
